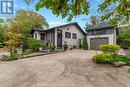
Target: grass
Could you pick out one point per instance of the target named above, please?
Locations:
(123, 59)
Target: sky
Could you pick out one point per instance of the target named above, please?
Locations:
(56, 21)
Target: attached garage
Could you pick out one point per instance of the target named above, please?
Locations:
(100, 34)
(96, 42)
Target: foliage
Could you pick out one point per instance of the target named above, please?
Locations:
(109, 48)
(13, 39)
(65, 46)
(64, 8)
(34, 19)
(95, 20)
(85, 44)
(1, 20)
(1, 45)
(87, 25)
(51, 47)
(123, 59)
(3, 30)
(116, 10)
(74, 8)
(124, 38)
(9, 58)
(104, 58)
(33, 44)
(26, 29)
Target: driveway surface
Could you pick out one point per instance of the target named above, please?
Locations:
(68, 69)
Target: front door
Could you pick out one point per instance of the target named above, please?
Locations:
(59, 39)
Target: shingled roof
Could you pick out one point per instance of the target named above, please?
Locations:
(101, 25)
(75, 23)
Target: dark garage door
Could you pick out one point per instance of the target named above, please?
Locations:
(96, 42)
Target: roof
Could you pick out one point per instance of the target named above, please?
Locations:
(75, 23)
(102, 25)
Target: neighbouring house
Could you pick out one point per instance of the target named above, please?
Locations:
(100, 34)
(71, 34)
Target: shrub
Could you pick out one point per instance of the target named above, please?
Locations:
(85, 44)
(51, 47)
(110, 49)
(65, 47)
(1, 45)
(104, 58)
(9, 58)
(123, 59)
(34, 45)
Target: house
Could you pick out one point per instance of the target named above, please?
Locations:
(100, 34)
(70, 33)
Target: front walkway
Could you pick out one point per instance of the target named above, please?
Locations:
(68, 69)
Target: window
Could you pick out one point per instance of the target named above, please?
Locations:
(67, 35)
(99, 32)
(74, 36)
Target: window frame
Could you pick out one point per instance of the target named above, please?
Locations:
(74, 36)
(67, 35)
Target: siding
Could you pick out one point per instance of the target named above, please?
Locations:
(108, 31)
(70, 41)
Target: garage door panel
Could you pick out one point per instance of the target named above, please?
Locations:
(96, 42)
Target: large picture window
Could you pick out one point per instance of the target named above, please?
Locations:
(67, 35)
(74, 36)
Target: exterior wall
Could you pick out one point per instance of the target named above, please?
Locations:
(108, 31)
(70, 41)
(49, 37)
(111, 37)
(38, 35)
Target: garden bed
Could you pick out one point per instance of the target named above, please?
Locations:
(39, 54)
(30, 54)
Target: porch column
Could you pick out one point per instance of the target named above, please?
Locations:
(55, 38)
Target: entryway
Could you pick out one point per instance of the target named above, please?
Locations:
(59, 39)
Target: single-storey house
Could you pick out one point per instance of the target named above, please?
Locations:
(70, 33)
(100, 34)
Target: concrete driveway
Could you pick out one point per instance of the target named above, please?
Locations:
(69, 69)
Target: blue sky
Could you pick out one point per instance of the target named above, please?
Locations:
(54, 20)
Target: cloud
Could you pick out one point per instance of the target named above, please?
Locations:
(56, 23)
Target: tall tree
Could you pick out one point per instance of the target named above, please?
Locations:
(34, 19)
(94, 20)
(13, 38)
